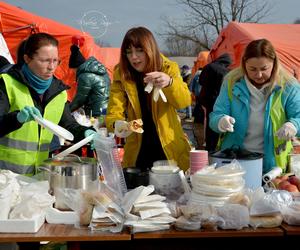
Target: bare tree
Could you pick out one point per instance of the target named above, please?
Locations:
(102, 43)
(179, 47)
(204, 19)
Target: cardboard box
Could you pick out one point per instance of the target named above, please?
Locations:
(22, 226)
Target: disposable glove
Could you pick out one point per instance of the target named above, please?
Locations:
(287, 131)
(226, 124)
(88, 133)
(27, 114)
(122, 129)
(156, 92)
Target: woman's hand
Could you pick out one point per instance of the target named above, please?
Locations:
(158, 79)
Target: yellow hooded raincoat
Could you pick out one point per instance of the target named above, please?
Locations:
(124, 100)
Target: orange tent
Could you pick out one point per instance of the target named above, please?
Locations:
(201, 61)
(285, 38)
(17, 24)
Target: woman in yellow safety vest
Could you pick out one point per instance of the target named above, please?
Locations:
(27, 89)
(258, 108)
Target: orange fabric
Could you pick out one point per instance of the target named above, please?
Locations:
(285, 38)
(202, 60)
(17, 24)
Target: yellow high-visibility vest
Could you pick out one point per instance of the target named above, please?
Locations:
(27, 147)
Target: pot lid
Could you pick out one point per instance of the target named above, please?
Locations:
(237, 153)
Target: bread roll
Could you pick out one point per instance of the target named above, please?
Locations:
(266, 221)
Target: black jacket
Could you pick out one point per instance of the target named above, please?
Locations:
(211, 79)
(8, 120)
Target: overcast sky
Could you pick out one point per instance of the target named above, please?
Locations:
(115, 17)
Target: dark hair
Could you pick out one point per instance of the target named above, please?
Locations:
(3, 61)
(261, 48)
(20, 53)
(139, 37)
(36, 41)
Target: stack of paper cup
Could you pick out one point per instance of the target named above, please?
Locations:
(198, 160)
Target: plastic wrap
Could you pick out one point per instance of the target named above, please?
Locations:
(109, 164)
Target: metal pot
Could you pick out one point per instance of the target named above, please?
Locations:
(70, 172)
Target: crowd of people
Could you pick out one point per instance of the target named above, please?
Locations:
(255, 106)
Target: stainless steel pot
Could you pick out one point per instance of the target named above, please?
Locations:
(70, 172)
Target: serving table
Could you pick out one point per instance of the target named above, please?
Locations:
(245, 232)
(61, 233)
(291, 230)
(210, 240)
(169, 239)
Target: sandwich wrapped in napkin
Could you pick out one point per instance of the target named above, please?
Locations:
(124, 128)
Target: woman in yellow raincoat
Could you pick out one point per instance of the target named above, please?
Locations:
(142, 64)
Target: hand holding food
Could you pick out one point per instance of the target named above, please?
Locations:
(136, 126)
(123, 128)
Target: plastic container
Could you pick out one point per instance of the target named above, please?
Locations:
(134, 177)
(109, 164)
(166, 184)
(251, 162)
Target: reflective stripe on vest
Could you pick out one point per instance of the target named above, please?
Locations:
(25, 148)
(278, 118)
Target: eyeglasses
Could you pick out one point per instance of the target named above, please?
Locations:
(46, 62)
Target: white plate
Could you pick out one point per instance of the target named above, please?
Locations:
(75, 147)
(55, 129)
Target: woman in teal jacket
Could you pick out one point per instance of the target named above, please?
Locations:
(258, 108)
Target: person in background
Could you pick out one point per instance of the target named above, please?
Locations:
(93, 83)
(258, 108)
(198, 112)
(141, 63)
(4, 64)
(211, 79)
(27, 90)
(186, 74)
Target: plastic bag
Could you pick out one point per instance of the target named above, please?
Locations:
(35, 199)
(234, 216)
(291, 214)
(271, 203)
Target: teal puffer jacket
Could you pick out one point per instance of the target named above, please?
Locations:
(93, 86)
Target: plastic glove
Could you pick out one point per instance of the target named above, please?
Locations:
(121, 129)
(88, 133)
(226, 124)
(287, 131)
(27, 114)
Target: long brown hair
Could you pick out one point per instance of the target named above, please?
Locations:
(139, 37)
(260, 48)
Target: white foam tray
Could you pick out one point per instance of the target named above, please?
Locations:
(55, 216)
(22, 226)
